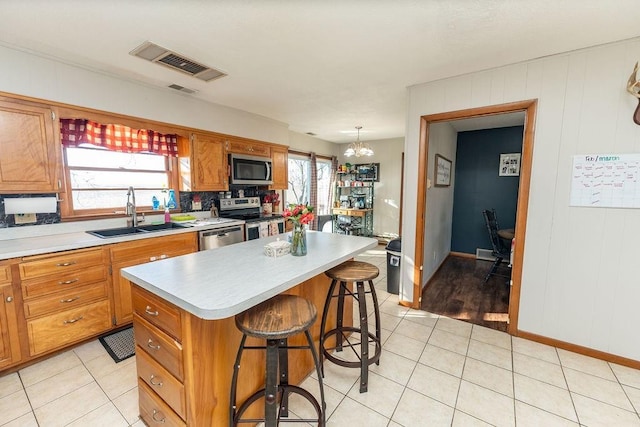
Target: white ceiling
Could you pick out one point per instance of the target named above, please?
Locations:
(322, 66)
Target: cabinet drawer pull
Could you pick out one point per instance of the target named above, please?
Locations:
(9, 299)
(65, 264)
(149, 312)
(153, 416)
(69, 299)
(151, 346)
(68, 282)
(66, 322)
(151, 378)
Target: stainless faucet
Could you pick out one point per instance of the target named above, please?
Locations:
(131, 208)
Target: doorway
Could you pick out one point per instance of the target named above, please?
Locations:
(529, 108)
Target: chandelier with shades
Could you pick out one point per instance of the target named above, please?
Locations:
(358, 148)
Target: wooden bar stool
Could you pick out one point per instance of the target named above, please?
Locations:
(275, 320)
(357, 272)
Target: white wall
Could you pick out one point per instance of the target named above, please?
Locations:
(579, 279)
(439, 205)
(39, 77)
(306, 143)
(387, 152)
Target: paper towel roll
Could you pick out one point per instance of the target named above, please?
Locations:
(22, 205)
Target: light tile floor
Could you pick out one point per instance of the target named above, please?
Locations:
(433, 371)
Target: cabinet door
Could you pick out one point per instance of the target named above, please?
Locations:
(209, 164)
(141, 252)
(280, 165)
(9, 341)
(30, 153)
(248, 147)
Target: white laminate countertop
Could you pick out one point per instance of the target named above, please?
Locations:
(223, 282)
(36, 245)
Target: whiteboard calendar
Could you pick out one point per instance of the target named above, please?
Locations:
(606, 180)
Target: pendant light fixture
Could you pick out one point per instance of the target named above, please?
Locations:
(358, 148)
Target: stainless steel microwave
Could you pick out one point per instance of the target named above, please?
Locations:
(252, 170)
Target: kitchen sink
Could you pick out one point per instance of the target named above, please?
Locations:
(125, 231)
(159, 227)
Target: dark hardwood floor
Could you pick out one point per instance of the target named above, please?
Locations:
(457, 290)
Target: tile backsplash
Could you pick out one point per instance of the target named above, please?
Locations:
(41, 218)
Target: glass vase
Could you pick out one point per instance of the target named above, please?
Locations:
(298, 240)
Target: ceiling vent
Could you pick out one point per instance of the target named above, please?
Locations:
(182, 88)
(160, 55)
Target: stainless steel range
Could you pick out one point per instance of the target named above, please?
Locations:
(249, 210)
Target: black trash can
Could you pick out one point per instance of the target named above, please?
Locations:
(393, 265)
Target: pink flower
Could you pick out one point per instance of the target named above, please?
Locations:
(302, 214)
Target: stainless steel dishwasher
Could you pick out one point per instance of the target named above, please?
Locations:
(218, 237)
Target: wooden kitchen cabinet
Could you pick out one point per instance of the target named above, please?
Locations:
(31, 152)
(280, 165)
(194, 358)
(9, 338)
(140, 252)
(153, 410)
(204, 164)
(253, 148)
(160, 359)
(65, 297)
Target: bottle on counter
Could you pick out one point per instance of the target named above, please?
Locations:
(167, 215)
(171, 203)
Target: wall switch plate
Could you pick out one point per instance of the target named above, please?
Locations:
(25, 218)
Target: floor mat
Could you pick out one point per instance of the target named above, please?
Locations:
(120, 345)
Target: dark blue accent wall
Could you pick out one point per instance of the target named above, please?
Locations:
(478, 186)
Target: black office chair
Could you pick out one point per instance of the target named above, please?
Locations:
(500, 249)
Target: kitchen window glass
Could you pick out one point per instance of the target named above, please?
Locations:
(300, 185)
(99, 179)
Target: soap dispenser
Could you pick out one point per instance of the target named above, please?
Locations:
(167, 215)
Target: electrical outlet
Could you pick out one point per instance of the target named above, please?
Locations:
(29, 218)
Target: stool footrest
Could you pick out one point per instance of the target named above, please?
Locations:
(347, 363)
(282, 389)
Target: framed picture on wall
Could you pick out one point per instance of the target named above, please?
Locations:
(443, 171)
(509, 164)
(368, 171)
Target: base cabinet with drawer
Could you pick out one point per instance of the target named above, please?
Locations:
(141, 252)
(65, 298)
(9, 334)
(185, 363)
(159, 359)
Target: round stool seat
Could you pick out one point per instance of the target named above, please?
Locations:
(353, 271)
(279, 317)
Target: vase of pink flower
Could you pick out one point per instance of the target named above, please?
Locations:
(299, 215)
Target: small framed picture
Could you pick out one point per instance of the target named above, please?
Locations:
(509, 164)
(443, 171)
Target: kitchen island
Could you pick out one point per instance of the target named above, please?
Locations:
(186, 339)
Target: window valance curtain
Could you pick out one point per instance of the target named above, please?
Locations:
(113, 137)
